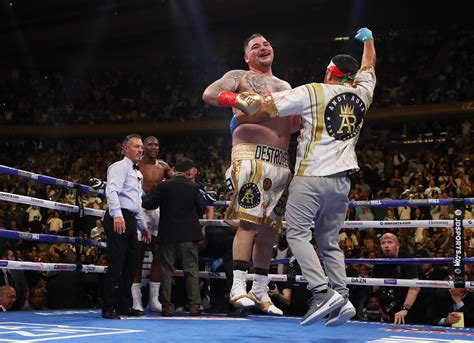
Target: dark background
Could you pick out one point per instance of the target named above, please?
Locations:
(82, 34)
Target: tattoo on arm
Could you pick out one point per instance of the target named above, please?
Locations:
(229, 82)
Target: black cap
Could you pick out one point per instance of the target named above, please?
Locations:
(184, 164)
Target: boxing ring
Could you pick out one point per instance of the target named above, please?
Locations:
(88, 325)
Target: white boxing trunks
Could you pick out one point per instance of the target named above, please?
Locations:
(261, 175)
(152, 219)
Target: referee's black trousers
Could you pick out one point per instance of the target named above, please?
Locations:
(122, 263)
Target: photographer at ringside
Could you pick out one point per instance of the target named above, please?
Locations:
(397, 302)
(291, 296)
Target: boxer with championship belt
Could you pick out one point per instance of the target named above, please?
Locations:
(259, 174)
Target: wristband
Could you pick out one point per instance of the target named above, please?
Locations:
(227, 99)
(405, 308)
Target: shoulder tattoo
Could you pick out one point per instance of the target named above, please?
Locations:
(230, 81)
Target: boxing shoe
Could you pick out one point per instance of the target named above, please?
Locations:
(259, 294)
(321, 304)
(238, 294)
(153, 302)
(137, 296)
(341, 315)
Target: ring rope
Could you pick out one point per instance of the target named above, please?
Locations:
(49, 180)
(215, 275)
(218, 222)
(406, 260)
(28, 236)
(42, 266)
(370, 203)
(22, 199)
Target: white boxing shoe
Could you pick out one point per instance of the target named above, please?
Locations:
(153, 302)
(238, 295)
(137, 296)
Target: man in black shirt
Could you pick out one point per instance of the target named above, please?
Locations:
(291, 296)
(396, 301)
(180, 205)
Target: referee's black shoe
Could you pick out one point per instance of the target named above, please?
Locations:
(110, 314)
(131, 312)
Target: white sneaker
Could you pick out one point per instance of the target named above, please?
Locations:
(238, 295)
(342, 315)
(137, 296)
(153, 302)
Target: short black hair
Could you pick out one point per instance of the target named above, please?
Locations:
(346, 64)
(184, 164)
(149, 138)
(255, 35)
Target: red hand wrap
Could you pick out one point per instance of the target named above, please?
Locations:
(227, 99)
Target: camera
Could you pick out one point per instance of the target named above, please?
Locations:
(389, 299)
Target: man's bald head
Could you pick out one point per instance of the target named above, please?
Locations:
(390, 245)
(7, 297)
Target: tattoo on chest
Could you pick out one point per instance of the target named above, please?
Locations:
(257, 83)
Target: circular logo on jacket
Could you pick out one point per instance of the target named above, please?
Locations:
(344, 116)
(249, 196)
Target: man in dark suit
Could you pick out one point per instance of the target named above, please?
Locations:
(451, 307)
(179, 231)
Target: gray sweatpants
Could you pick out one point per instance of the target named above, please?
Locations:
(324, 200)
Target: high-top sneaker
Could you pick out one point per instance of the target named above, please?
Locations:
(238, 294)
(259, 294)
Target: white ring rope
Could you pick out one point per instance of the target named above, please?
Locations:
(219, 222)
(49, 204)
(358, 281)
(56, 267)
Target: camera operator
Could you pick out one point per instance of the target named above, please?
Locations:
(396, 301)
(373, 311)
(291, 296)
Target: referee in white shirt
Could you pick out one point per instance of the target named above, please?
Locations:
(121, 221)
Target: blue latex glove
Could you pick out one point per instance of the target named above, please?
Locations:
(364, 34)
(234, 122)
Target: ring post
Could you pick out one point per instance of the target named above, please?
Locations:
(458, 261)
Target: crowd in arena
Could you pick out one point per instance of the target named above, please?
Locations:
(172, 92)
(439, 169)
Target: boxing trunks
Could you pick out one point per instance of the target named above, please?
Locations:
(258, 180)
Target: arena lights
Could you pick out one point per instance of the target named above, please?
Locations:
(336, 39)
